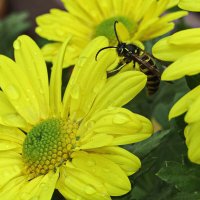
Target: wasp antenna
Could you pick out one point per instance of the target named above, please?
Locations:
(109, 47)
(116, 31)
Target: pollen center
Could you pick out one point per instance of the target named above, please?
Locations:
(48, 145)
(106, 28)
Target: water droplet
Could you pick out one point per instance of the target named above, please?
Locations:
(90, 190)
(120, 119)
(78, 198)
(59, 32)
(75, 93)
(90, 124)
(106, 170)
(12, 92)
(91, 163)
(17, 44)
(41, 91)
(13, 118)
(24, 196)
(34, 198)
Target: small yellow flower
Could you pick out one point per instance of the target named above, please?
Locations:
(139, 20)
(68, 143)
(191, 5)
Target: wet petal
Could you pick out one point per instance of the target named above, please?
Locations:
(120, 125)
(119, 90)
(11, 138)
(56, 81)
(128, 162)
(8, 114)
(186, 65)
(109, 173)
(30, 59)
(41, 187)
(11, 166)
(183, 104)
(87, 79)
(75, 183)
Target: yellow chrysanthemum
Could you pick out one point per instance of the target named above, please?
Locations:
(139, 20)
(184, 48)
(68, 143)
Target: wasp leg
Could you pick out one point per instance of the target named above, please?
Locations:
(116, 70)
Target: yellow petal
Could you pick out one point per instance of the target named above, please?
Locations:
(11, 139)
(187, 37)
(87, 79)
(119, 90)
(193, 5)
(192, 140)
(186, 65)
(8, 114)
(128, 162)
(122, 32)
(72, 51)
(16, 85)
(193, 115)
(12, 189)
(172, 3)
(11, 166)
(118, 125)
(58, 30)
(56, 81)
(109, 173)
(179, 44)
(74, 183)
(183, 104)
(29, 57)
(41, 187)
(50, 50)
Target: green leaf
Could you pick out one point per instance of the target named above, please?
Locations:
(10, 28)
(193, 81)
(183, 177)
(187, 196)
(143, 148)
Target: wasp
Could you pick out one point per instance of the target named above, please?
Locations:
(132, 53)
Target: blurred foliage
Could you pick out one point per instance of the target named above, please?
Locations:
(10, 28)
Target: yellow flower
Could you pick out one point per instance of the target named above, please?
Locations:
(139, 20)
(69, 143)
(184, 48)
(192, 5)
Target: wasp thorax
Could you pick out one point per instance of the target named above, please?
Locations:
(48, 145)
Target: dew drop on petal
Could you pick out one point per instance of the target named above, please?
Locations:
(17, 44)
(90, 124)
(24, 196)
(120, 119)
(34, 198)
(12, 118)
(75, 93)
(59, 32)
(106, 170)
(91, 163)
(90, 190)
(12, 92)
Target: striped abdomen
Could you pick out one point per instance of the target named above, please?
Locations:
(148, 67)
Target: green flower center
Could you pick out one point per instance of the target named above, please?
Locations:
(106, 28)
(48, 145)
